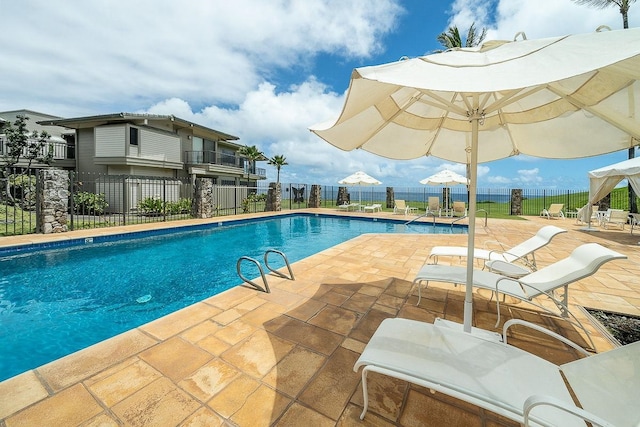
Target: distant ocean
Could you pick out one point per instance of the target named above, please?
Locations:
(419, 197)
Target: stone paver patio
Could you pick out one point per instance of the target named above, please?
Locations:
(248, 358)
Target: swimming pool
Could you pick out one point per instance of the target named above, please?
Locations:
(58, 300)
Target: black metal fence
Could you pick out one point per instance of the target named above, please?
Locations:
(496, 201)
(18, 201)
(98, 200)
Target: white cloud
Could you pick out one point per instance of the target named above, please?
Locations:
(221, 64)
(529, 176)
(89, 56)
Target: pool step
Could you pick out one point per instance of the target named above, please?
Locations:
(266, 263)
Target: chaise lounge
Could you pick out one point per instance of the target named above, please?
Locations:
(584, 261)
(523, 252)
(505, 379)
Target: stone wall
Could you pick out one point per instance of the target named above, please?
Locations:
(343, 196)
(516, 201)
(274, 198)
(203, 205)
(315, 196)
(391, 203)
(53, 201)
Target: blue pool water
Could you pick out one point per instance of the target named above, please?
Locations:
(56, 301)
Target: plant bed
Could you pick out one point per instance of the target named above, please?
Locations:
(623, 327)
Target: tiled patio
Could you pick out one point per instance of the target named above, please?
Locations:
(248, 358)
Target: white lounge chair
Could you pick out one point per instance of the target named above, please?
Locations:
(523, 252)
(349, 207)
(400, 207)
(434, 206)
(459, 209)
(554, 211)
(616, 217)
(505, 379)
(584, 261)
(376, 207)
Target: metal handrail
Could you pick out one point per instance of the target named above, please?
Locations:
(457, 219)
(422, 216)
(286, 261)
(255, 285)
(486, 217)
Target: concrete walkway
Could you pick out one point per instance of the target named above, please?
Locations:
(250, 359)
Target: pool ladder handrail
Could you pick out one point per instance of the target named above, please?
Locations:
(264, 277)
(486, 217)
(422, 216)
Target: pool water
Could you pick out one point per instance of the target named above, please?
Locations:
(54, 302)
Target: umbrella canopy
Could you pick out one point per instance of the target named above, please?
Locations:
(359, 179)
(447, 178)
(562, 97)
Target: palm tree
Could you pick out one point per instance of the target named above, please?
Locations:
(452, 39)
(624, 6)
(252, 154)
(278, 161)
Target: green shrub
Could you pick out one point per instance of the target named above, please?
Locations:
(87, 203)
(151, 205)
(252, 198)
(179, 207)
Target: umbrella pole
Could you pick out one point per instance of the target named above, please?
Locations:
(468, 297)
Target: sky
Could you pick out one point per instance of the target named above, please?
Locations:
(265, 71)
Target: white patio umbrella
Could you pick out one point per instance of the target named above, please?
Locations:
(562, 97)
(359, 179)
(447, 178)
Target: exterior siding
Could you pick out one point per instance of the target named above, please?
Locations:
(159, 146)
(110, 141)
(85, 152)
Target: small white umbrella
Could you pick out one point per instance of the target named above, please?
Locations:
(359, 179)
(447, 178)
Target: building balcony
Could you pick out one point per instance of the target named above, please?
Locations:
(63, 153)
(213, 161)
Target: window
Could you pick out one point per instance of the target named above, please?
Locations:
(133, 136)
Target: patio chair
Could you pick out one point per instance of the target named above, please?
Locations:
(582, 215)
(373, 208)
(349, 207)
(634, 220)
(459, 209)
(434, 206)
(616, 217)
(554, 211)
(400, 207)
(584, 261)
(505, 379)
(523, 252)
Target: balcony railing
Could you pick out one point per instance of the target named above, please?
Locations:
(59, 150)
(216, 158)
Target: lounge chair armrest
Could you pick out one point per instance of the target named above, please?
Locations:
(539, 328)
(494, 242)
(538, 400)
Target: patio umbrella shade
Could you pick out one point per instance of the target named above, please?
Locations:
(562, 98)
(359, 179)
(447, 178)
